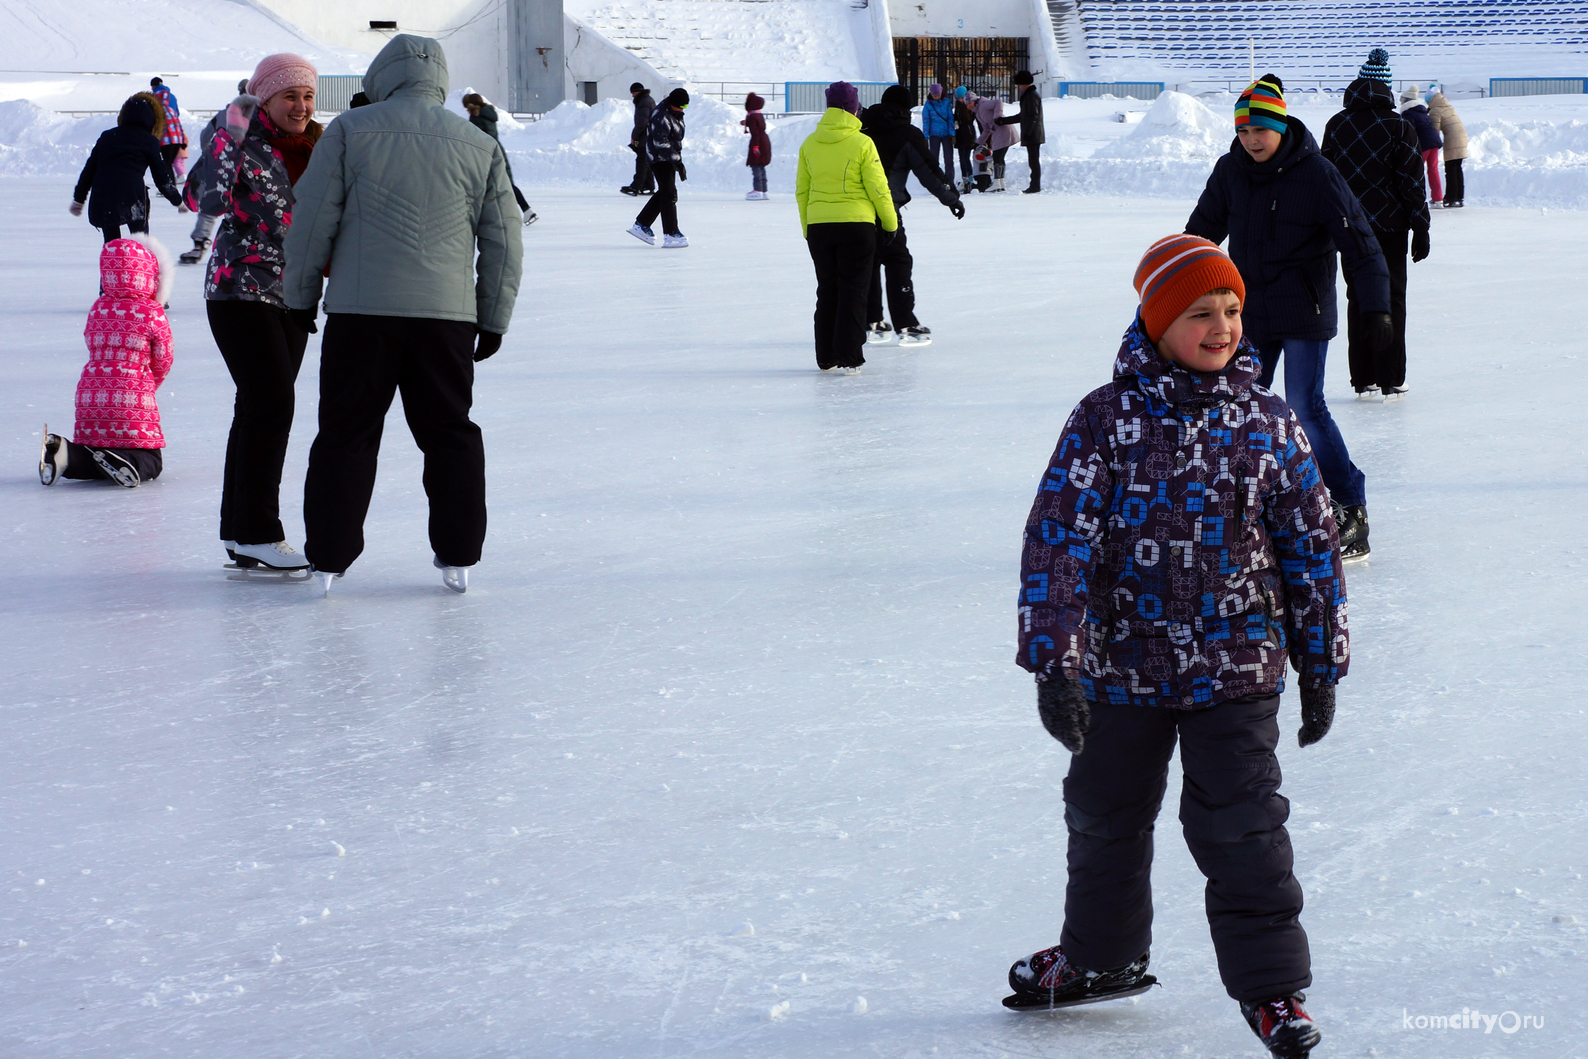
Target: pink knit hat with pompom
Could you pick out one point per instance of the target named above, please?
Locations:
(277, 73)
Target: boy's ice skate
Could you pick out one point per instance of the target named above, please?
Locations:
(116, 468)
(1283, 1025)
(277, 563)
(643, 234)
(454, 577)
(1046, 980)
(195, 255)
(915, 336)
(879, 333)
(674, 241)
(52, 457)
(1351, 524)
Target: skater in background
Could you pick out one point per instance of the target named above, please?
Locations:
(173, 142)
(1032, 132)
(112, 179)
(937, 124)
(411, 209)
(482, 116)
(846, 209)
(1454, 134)
(1375, 149)
(964, 133)
(902, 149)
(204, 223)
(1286, 210)
(1131, 658)
(117, 436)
(644, 106)
(664, 150)
(760, 155)
(1414, 110)
(260, 149)
(997, 137)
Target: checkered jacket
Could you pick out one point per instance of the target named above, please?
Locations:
(1375, 149)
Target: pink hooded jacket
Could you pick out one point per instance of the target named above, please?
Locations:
(129, 349)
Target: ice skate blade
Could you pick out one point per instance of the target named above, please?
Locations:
(915, 341)
(264, 575)
(1019, 1002)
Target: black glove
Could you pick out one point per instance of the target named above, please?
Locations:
(1317, 714)
(489, 342)
(957, 208)
(884, 237)
(1380, 331)
(304, 318)
(1420, 245)
(1064, 710)
(683, 174)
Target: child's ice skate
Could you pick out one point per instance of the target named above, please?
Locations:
(116, 468)
(1283, 1025)
(1351, 525)
(1046, 980)
(52, 458)
(195, 255)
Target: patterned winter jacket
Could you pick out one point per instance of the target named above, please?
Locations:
(174, 133)
(664, 136)
(1181, 542)
(1375, 149)
(129, 350)
(247, 186)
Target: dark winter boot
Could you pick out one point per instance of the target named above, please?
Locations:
(1046, 980)
(195, 255)
(1284, 1027)
(1351, 523)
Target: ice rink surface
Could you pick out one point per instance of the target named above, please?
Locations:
(726, 734)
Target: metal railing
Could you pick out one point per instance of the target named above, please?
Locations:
(1537, 86)
(1117, 89)
(810, 97)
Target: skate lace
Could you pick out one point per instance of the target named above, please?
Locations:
(1282, 1011)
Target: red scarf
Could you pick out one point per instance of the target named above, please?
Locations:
(294, 151)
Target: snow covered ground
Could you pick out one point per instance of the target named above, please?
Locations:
(726, 735)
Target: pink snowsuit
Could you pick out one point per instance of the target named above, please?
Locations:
(129, 353)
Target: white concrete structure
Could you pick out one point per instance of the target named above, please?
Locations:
(1033, 19)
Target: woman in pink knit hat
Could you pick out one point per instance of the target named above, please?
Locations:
(259, 150)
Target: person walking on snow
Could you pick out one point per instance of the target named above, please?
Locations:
(964, 134)
(997, 136)
(246, 175)
(411, 208)
(1375, 149)
(937, 124)
(1032, 132)
(846, 209)
(1448, 125)
(902, 149)
(173, 142)
(664, 150)
(1428, 140)
(113, 174)
(117, 436)
(483, 117)
(1286, 211)
(1161, 597)
(760, 155)
(644, 107)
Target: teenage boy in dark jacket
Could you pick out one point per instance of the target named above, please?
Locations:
(1286, 210)
(644, 106)
(663, 147)
(1376, 150)
(1032, 133)
(903, 150)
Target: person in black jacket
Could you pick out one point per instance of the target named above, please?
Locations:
(1032, 132)
(1376, 150)
(664, 149)
(644, 106)
(964, 134)
(114, 170)
(903, 150)
(1286, 210)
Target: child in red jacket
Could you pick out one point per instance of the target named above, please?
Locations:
(129, 355)
(760, 146)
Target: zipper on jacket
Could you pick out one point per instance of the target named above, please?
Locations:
(1317, 307)
(1240, 508)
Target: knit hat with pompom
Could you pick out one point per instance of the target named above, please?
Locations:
(1377, 66)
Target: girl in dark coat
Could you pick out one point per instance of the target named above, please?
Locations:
(1428, 139)
(114, 171)
(760, 145)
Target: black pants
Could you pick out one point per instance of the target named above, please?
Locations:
(113, 231)
(523, 203)
(263, 350)
(80, 462)
(998, 162)
(1034, 160)
(364, 361)
(169, 151)
(642, 172)
(1233, 817)
(895, 258)
(842, 254)
(664, 201)
(1455, 183)
(1388, 367)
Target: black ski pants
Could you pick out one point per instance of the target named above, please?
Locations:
(1455, 182)
(1034, 160)
(263, 350)
(113, 231)
(80, 462)
(642, 170)
(1233, 817)
(894, 257)
(664, 201)
(364, 362)
(1388, 366)
(842, 253)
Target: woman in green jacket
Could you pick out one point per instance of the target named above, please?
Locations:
(845, 208)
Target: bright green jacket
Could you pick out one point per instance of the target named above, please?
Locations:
(840, 178)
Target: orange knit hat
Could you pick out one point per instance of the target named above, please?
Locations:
(1176, 271)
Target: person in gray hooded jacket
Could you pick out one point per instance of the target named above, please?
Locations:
(411, 208)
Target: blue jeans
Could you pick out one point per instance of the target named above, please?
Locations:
(1304, 367)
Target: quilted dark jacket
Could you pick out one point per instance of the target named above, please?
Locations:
(1375, 149)
(1285, 218)
(664, 136)
(1181, 543)
(1428, 138)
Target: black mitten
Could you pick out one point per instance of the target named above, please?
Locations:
(1317, 714)
(1380, 331)
(1420, 245)
(1063, 708)
(304, 318)
(487, 344)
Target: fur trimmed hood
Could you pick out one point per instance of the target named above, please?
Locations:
(144, 111)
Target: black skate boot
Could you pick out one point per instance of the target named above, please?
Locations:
(1284, 1027)
(1046, 980)
(52, 458)
(1351, 523)
(195, 255)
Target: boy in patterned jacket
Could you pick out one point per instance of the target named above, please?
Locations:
(1180, 550)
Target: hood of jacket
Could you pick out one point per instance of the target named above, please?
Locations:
(836, 126)
(410, 65)
(1368, 93)
(488, 113)
(1413, 105)
(143, 111)
(135, 268)
(883, 116)
(1138, 360)
(1295, 148)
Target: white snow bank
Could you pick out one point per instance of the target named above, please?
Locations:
(39, 142)
(1178, 127)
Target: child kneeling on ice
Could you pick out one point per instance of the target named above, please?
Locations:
(1180, 546)
(129, 355)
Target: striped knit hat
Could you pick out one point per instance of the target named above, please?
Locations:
(1262, 105)
(1176, 271)
(1377, 66)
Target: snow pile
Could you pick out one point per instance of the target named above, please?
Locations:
(1177, 127)
(39, 142)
